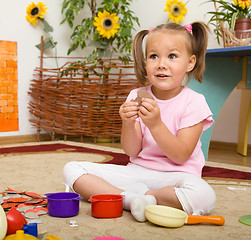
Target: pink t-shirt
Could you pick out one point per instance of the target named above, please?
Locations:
(184, 110)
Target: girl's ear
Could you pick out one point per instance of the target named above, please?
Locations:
(191, 63)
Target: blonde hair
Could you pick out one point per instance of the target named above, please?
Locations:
(196, 45)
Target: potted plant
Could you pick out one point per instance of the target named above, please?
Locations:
(228, 14)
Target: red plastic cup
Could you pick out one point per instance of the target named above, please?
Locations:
(107, 205)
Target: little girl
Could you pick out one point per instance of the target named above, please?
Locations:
(162, 135)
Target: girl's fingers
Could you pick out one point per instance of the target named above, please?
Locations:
(130, 107)
(146, 107)
(131, 114)
(131, 104)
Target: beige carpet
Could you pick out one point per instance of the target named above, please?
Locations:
(42, 173)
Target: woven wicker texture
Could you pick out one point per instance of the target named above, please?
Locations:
(230, 40)
(82, 99)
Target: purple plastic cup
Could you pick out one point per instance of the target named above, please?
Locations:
(63, 204)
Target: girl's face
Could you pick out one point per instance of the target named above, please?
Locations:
(167, 62)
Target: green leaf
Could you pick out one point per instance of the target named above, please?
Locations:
(99, 45)
(71, 8)
(47, 26)
(233, 22)
(47, 43)
(126, 32)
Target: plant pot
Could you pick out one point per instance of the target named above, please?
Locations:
(242, 28)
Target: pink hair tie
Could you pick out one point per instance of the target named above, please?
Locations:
(150, 30)
(189, 28)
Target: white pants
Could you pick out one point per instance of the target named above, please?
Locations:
(195, 195)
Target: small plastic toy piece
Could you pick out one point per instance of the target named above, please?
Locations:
(246, 220)
(31, 229)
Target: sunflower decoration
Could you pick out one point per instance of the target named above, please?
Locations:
(176, 10)
(106, 24)
(35, 11)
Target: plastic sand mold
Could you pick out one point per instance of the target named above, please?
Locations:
(246, 220)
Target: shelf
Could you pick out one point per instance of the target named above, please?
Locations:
(229, 52)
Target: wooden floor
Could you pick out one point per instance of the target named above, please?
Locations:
(227, 153)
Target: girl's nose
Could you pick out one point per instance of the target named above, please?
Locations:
(162, 64)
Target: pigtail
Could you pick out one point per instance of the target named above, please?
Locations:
(200, 40)
(138, 55)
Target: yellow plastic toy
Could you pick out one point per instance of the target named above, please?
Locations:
(20, 236)
(3, 223)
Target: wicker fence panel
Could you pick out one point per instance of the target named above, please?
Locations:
(83, 101)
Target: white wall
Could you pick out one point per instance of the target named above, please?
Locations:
(14, 27)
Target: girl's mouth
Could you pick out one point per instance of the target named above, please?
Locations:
(162, 75)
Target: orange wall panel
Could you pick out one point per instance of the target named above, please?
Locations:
(8, 87)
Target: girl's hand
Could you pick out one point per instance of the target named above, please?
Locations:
(149, 112)
(131, 136)
(129, 112)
